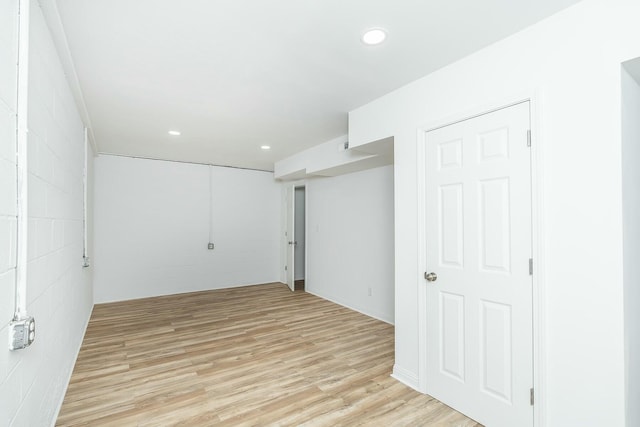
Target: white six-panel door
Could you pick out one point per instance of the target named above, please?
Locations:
(478, 245)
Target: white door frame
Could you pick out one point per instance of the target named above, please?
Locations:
(289, 215)
(304, 231)
(539, 321)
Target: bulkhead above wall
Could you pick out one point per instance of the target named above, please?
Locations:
(334, 158)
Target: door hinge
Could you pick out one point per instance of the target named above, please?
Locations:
(531, 397)
(530, 266)
(529, 138)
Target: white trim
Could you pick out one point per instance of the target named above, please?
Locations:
(306, 231)
(405, 377)
(422, 261)
(72, 366)
(537, 220)
(289, 235)
(285, 238)
(537, 240)
(374, 316)
(474, 112)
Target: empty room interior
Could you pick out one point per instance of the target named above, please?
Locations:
(298, 212)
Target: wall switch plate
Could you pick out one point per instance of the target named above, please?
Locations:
(210, 246)
(22, 333)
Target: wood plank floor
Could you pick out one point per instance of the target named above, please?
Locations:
(251, 356)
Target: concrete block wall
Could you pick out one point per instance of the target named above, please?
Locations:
(59, 290)
(9, 375)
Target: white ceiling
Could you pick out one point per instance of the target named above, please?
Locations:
(232, 75)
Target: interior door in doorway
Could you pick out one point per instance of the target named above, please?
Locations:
(300, 237)
(290, 238)
(479, 352)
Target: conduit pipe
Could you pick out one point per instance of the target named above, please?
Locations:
(22, 172)
(210, 246)
(85, 248)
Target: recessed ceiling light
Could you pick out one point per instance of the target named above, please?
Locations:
(174, 133)
(265, 147)
(374, 36)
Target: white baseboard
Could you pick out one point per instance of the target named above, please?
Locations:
(406, 377)
(73, 365)
(374, 315)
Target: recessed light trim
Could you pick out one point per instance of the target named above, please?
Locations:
(174, 133)
(265, 147)
(374, 36)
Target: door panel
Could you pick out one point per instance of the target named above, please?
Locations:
(453, 348)
(495, 351)
(451, 216)
(495, 232)
(478, 242)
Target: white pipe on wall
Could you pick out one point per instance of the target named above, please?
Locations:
(210, 206)
(21, 161)
(85, 247)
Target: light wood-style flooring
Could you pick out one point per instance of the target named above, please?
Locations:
(251, 356)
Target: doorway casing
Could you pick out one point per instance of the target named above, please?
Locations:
(289, 235)
(537, 192)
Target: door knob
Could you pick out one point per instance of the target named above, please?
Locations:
(431, 277)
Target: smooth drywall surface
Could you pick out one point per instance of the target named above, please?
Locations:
(152, 228)
(350, 242)
(631, 238)
(59, 290)
(299, 233)
(570, 65)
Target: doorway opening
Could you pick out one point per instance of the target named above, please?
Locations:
(630, 110)
(476, 301)
(299, 233)
(295, 235)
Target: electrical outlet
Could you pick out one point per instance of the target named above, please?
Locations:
(210, 246)
(22, 333)
(369, 290)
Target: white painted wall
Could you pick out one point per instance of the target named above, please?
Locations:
(299, 227)
(570, 63)
(152, 228)
(8, 88)
(350, 241)
(59, 291)
(631, 239)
